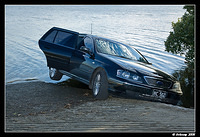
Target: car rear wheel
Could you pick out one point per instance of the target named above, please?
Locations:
(54, 74)
(100, 85)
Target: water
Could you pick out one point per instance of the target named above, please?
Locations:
(145, 27)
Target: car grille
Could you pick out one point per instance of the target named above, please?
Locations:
(158, 82)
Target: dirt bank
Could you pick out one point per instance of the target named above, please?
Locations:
(45, 107)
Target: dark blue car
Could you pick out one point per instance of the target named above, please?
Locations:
(105, 65)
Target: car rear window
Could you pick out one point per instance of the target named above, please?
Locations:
(51, 36)
(64, 38)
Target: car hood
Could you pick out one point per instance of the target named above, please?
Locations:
(139, 67)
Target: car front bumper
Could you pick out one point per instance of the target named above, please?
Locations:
(145, 91)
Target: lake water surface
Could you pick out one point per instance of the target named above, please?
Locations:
(144, 27)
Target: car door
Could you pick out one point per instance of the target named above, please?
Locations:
(58, 46)
(82, 63)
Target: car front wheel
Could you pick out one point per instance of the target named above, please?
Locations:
(100, 85)
(54, 74)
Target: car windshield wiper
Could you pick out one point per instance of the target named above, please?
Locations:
(123, 57)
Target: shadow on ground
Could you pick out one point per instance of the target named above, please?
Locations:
(124, 95)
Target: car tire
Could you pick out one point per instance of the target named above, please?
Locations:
(54, 74)
(100, 85)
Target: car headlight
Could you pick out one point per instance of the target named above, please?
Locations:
(136, 77)
(128, 75)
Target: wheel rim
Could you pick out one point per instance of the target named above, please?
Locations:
(97, 84)
(52, 72)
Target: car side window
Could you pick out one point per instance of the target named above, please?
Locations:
(64, 38)
(88, 42)
(50, 37)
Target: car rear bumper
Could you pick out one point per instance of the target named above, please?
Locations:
(145, 91)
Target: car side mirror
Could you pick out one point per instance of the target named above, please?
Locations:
(85, 49)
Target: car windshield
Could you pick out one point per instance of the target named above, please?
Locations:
(116, 49)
